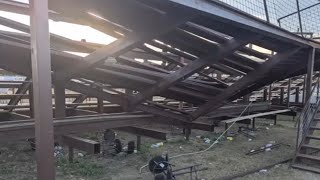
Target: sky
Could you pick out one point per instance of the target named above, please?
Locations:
(277, 8)
(71, 31)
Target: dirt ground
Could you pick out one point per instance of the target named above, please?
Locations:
(17, 161)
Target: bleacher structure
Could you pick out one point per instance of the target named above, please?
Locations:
(173, 62)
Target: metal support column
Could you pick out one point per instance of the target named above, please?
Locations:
(310, 73)
(289, 92)
(297, 95)
(246, 98)
(265, 95)
(281, 95)
(270, 93)
(100, 104)
(31, 104)
(219, 75)
(139, 143)
(42, 95)
(304, 89)
(60, 100)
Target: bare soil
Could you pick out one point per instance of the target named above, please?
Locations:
(17, 160)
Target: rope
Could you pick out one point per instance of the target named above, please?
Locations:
(214, 143)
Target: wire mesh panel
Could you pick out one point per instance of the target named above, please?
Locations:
(285, 13)
(310, 19)
(308, 10)
(253, 7)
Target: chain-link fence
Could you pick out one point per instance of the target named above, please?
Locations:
(297, 16)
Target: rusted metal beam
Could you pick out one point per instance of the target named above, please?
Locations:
(190, 69)
(22, 90)
(59, 100)
(19, 130)
(261, 71)
(145, 132)
(160, 24)
(118, 99)
(82, 144)
(310, 69)
(41, 77)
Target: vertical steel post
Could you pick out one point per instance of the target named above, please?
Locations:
(265, 95)
(318, 86)
(281, 95)
(31, 104)
(304, 89)
(297, 95)
(266, 10)
(219, 75)
(100, 104)
(299, 16)
(310, 73)
(42, 95)
(289, 92)
(139, 143)
(60, 100)
(270, 93)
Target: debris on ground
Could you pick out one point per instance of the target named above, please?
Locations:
(263, 171)
(58, 152)
(207, 140)
(266, 148)
(156, 145)
(230, 138)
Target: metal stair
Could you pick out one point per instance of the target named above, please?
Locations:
(308, 141)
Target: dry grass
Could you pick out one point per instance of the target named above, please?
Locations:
(225, 159)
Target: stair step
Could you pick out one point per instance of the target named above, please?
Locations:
(310, 146)
(315, 127)
(313, 137)
(306, 168)
(306, 156)
(316, 119)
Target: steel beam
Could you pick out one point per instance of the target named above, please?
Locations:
(310, 69)
(59, 100)
(118, 99)
(131, 41)
(246, 81)
(190, 69)
(281, 95)
(297, 97)
(220, 11)
(82, 144)
(19, 130)
(58, 42)
(145, 132)
(289, 91)
(22, 90)
(41, 76)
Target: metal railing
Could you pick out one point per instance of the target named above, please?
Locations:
(301, 17)
(308, 114)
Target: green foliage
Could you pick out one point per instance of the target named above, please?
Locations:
(80, 167)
